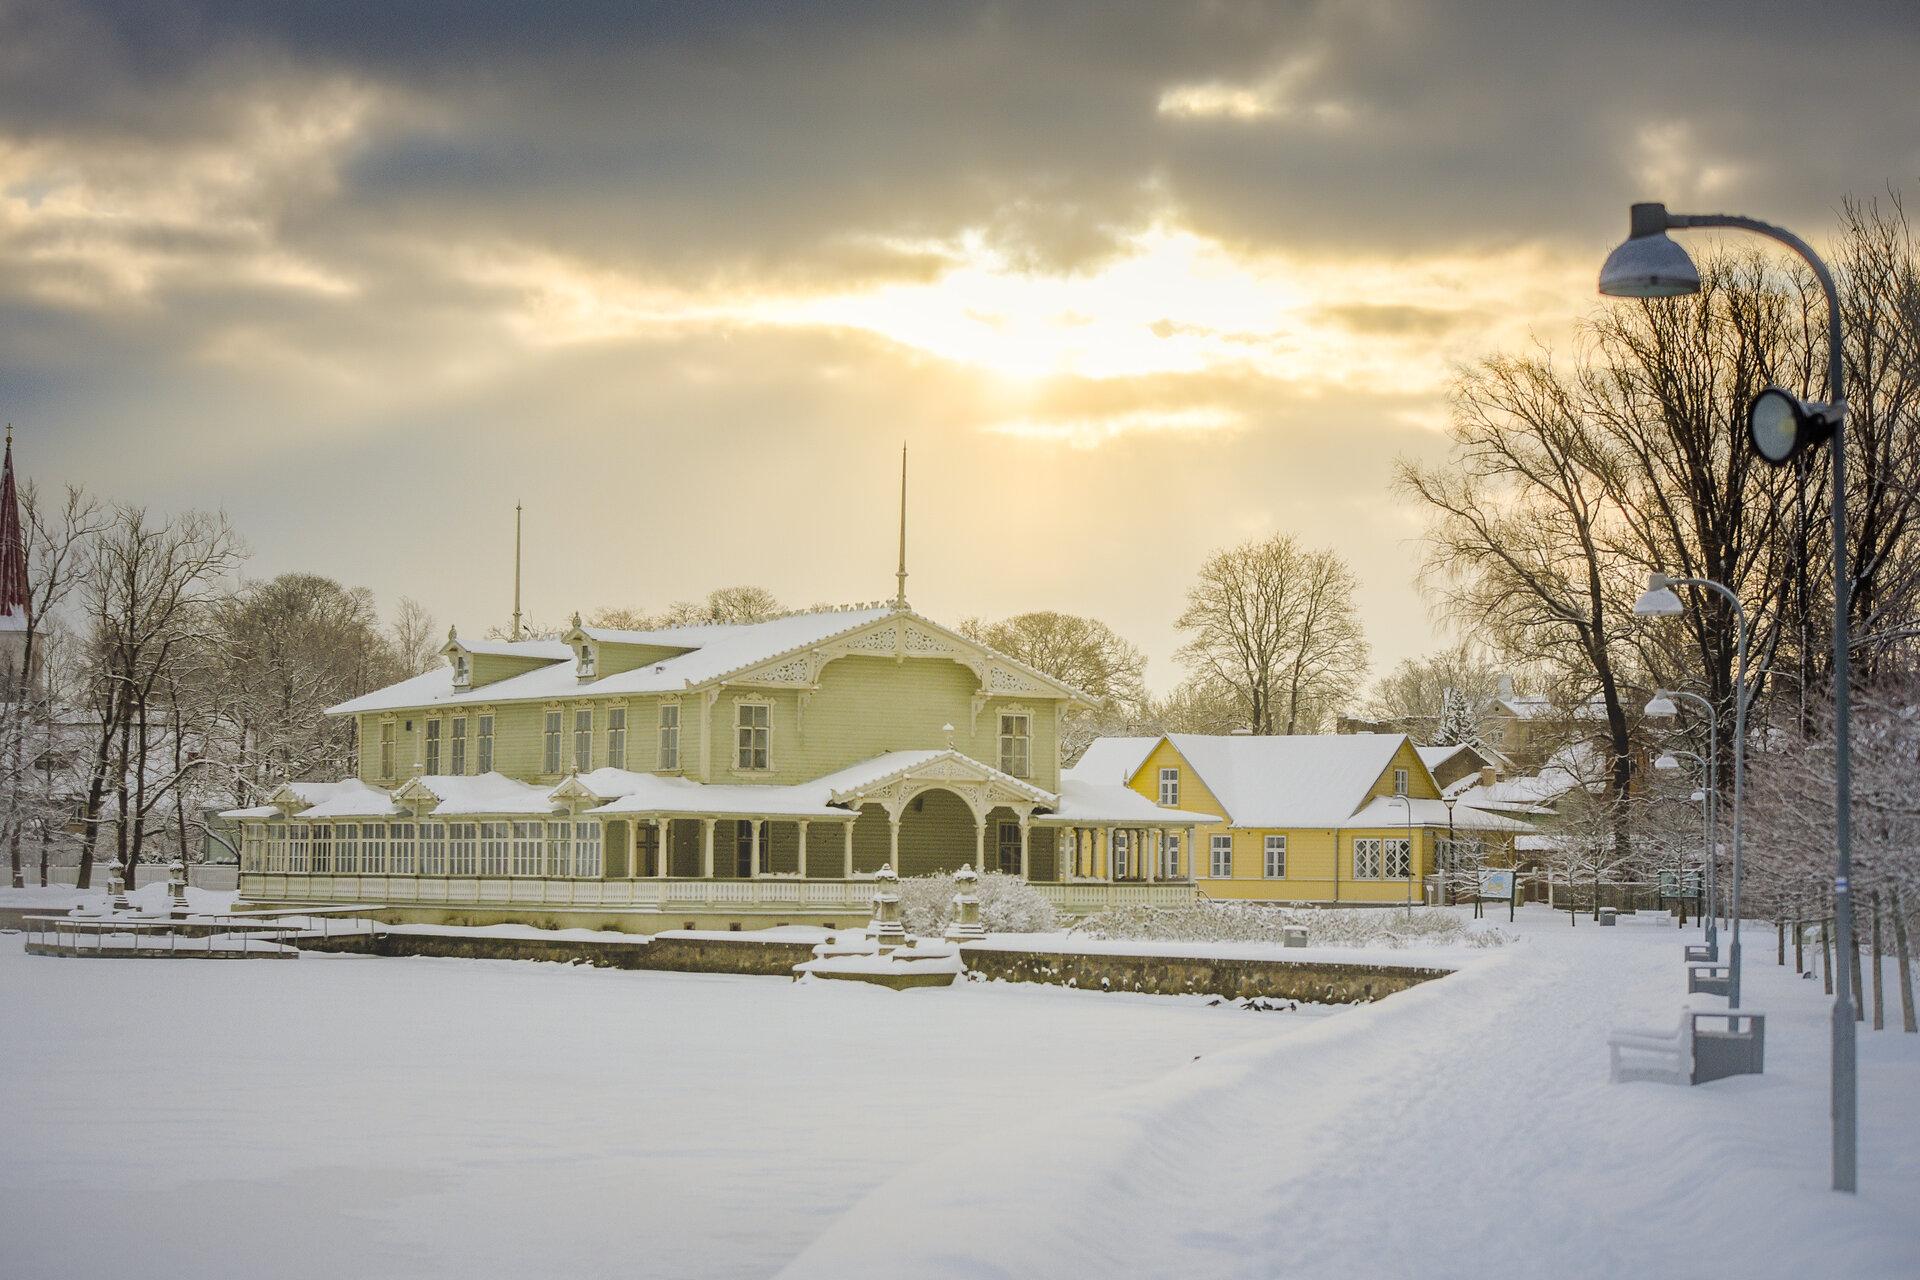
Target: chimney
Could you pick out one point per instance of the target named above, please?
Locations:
(1488, 775)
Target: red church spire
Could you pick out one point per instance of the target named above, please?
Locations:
(13, 551)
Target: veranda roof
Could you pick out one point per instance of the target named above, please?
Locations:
(1108, 804)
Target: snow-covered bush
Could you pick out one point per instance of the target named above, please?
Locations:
(1252, 922)
(1008, 904)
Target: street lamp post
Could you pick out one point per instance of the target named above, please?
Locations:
(1407, 800)
(1650, 265)
(1660, 601)
(1662, 707)
(1671, 760)
(1453, 855)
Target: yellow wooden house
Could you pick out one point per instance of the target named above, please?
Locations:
(1348, 819)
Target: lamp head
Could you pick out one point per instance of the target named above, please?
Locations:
(1661, 707)
(1658, 601)
(1648, 264)
(1667, 762)
(1780, 425)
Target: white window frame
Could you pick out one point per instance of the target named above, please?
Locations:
(1400, 782)
(373, 848)
(433, 848)
(403, 850)
(1170, 787)
(1220, 857)
(1016, 743)
(560, 849)
(528, 848)
(752, 743)
(1006, 847)
(616, 737)
(387, 733)
(322, 855)
(483, 744)
(462, 671)
(457, 753)
(586, 850)
(1369, 858)
(1169, 855)
(1274, 857)
(587, 662)
(463, 848)
(1396, 855)
(433, 746)
(669, 736)
(553, 726)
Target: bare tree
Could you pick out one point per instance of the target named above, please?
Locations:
(415, 636)
(1414, 695)
(1276, 624)
(1082, 652)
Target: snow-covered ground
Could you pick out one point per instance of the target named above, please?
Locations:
(1464, 1128)
(489, 1118)
(427, 1117)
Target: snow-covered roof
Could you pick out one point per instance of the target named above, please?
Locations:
(1434, 757)
(1113, 760)
(483, 793)
(546, 650)
(1391, 811)
(1114, 803)
(711, 653)
(351, 798)
(1290, 780)
(827, 796)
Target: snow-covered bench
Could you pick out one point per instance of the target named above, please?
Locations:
(1690, 1054)
(1708, 978)
(1704, 951)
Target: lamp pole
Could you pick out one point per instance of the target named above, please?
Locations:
(1706, 769)
(1649, 265)
(1712, 806)
(1740, 691)
(1408, 802)
(1453, 853)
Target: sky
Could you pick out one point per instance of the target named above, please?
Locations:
(1134, 282)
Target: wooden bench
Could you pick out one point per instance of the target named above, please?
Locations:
(1708, 952)
(1691, 1053)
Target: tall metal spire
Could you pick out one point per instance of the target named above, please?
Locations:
(516, 571)
(13, 550)
(900, 576)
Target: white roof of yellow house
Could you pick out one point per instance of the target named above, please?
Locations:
(1284, 780)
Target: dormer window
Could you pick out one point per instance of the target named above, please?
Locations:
(462, 671)
(584, 662)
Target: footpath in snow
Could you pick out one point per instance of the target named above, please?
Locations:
(1464, 1128)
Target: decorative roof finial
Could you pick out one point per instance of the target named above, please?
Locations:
(576, 619)
(900, 576)
(453, 633)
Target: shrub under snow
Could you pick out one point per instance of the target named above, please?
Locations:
(1252, 922)
(1008, 904)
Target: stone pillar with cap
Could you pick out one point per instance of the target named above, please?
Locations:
(885, 925)
(965, 926)
(177, 889)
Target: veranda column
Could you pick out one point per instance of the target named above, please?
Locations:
(1193, 851)
(706, 847)
(753, 848)
(893, 841)
(1106, 852)
(633, 849)
(1159, 852)
(979, 844)
(1026, 862)
(846, 853)
(663, 841)
(803, 849)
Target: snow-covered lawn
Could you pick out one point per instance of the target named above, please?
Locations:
(1464, 1128)
(489, 1118)
(351, 1115)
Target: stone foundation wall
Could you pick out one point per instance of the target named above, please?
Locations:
(678, 955)
(1316, 982)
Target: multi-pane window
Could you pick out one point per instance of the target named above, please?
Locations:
(402, 851)
(527, 838)
(1399, 858)
(550, 761)
(1120, 850)
(484, 745)
(753, 730)
(459, 744)
(493, 848)
(583, 739)
(299, 847)
(433, 746)
(322, 848)
(1016, 743)
(1220, 857)
(560, 849)
(586, 662)
(1367, 859)
(463, 848)
(346, 848)
(462, 671)
(616, 737)
(670, 735)
(648, 849)
(1169, 855)
(586, 850)
(1276, 857)
(1169, 786)
(386, 748)
(433, 848)
(1008, 848)
(1399, 782)
(373, 849)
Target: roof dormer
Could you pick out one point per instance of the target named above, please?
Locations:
(477, 663)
